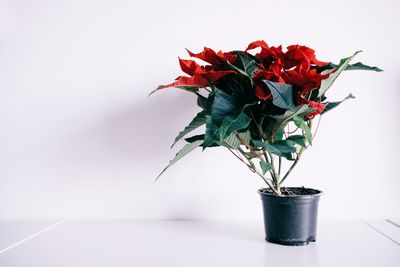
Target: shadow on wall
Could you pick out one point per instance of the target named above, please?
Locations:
(136, 137)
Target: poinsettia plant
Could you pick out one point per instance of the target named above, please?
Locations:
(260, 106)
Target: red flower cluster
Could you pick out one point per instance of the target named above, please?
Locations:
(291, 67)
(296, 66)
(203, 76)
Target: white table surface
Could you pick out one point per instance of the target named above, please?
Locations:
(193, 243)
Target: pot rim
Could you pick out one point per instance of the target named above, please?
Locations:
(292, 197)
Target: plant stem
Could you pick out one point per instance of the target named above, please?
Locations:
(297, 158)
(279, 164)
(267, 160)
(275, 175)
(255, 170)
(293, 165)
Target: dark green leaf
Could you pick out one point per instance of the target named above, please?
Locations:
(285, 146)
(299, 122)
(195, 138)
(212, 133)
(223, 105)
(205, 102)
(245, 137)
(232, 141)
(265, 166)
(355, 66)
(278, 135)
(289, 114)
(250, 155)
(183, 152)
(246, 63)
(231, 124)
(198, 137)
(327, 83)
(272, 149)
(282, 94)
(361, 66)
(288, 156)
(332, 105)
(198, 121)
(275, 149)
(298, 139)
(235, 139)
(189, 88)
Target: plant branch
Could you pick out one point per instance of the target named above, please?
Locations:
(248, 165)
(293, 165)
(253, 168)
(275, 175)
(297, 158)
(280, 165)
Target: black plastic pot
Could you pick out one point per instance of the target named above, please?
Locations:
(290, 220)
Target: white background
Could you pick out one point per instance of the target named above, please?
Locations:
(79, 138)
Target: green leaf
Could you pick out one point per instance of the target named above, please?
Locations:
(275, 149)
(235, 139)
(298, 139)
(212, 133)
(332, 105)
(278, 135)
(183, 152)
(282, 94)
(269, 147)
(232, 141)
(191, 89)
(246, 63)
(223, 105)
(250, 155)
(285, 146)
(195, 138)
(245, 136)
(289, 114)
(215, 134)
(205, 102)
(198, 137)
(327, 83)
(197, 121)
(299, 122)
(232, 124)
(355, 66)
(265, 166)
(361, 66)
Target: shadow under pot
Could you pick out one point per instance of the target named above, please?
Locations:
(291, 218)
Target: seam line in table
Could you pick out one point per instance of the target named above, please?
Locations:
(392, 222)
(382, 233)
(31, 236)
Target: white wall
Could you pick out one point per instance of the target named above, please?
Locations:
(79, 138)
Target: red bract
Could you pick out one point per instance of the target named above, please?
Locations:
(202, 76)
(300, 56)
(292, 67)
(210, 56)
(271, 57)
(191, 67)
(212, 76)
(262, 92)
(304, 81)
(318, 106)
(181, 81)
